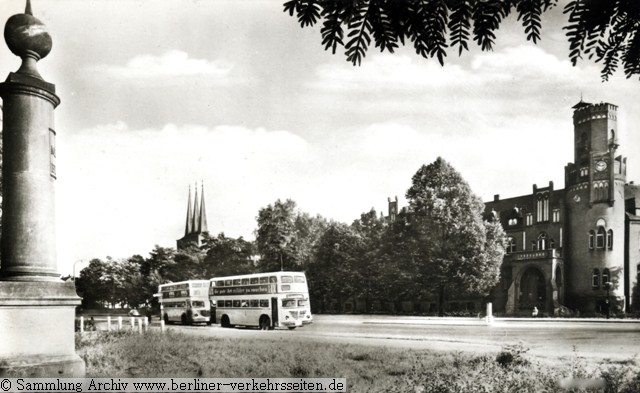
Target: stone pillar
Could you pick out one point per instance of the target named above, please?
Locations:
(37, 309)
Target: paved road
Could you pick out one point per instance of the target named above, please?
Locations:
(553, 340)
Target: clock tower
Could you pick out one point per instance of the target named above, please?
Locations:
(595, 209)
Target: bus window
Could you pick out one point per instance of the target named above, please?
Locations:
(288, 302)
(197, 304)
(236, 303)
(286, 279)
(254, 280)
(220, 303)
(254, 303)
(228, 283)
(298, 279)
(285, 287)
(302, 303)
(245, 281)
(237, 281)
(228, 303)
(220, 283)
(196, 285)
(272, 279)
(264, 280)
(264, 303)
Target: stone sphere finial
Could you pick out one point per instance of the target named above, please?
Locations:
(28, 38)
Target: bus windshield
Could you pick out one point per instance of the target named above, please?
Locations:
(288, 302)
(197, 304)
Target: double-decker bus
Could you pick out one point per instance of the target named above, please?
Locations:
(186, 302)
(266, 300)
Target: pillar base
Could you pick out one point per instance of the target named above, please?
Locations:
(43, 367)
(37, 329)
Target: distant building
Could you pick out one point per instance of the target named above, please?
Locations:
(574, 247)
(196, 223)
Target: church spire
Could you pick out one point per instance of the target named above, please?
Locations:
(194, 217)
(189, 225)
(203, 214)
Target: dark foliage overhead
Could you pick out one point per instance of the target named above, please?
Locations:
(606, 30)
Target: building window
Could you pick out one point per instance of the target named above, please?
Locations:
(595, 279)
(556, 215)
(600, 238)
(513, 221)
(591, 239)
(584, 172)
(610, 239)
(511, 245)
(600, 191)
(529, 219)
(543, 241)
(542, 207)
(605, 276)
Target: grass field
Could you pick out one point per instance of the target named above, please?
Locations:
(367, 369)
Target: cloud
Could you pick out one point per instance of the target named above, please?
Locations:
(122, 190)
(171, 64)
(526, 63)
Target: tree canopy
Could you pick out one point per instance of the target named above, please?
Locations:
(453, 247)
(605, 30)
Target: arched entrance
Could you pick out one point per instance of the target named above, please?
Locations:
(533, 290)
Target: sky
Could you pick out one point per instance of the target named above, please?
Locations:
(160, 94)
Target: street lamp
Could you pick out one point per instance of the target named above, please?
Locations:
(607, 286)
(74, 268)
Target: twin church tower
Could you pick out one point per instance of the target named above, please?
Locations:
(196, 224)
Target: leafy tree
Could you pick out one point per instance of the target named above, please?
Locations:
(189, 265)
(276, 237)
(161, 262)
(455, 248)
(399, 276)
(129, 282)
(309, 229)
(333, 272)
(226, 256)
(604, 29)
(90, 284)
(371, 228)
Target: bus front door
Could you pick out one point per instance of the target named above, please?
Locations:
(274, 311)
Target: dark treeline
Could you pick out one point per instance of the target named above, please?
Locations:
(438, 245)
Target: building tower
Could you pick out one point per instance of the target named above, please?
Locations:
(37, 308)
(595, 206)
(196, 223)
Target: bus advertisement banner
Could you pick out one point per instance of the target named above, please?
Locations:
(244, 290)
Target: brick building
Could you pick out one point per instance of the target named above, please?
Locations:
(576, 247)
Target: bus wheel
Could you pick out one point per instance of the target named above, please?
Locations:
(291, 327)
(166, 320)
(265, 323)
(224, 322)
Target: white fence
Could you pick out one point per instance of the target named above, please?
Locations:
(139, 324)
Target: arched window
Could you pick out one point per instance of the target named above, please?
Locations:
(543, 241)
(592, 235)
(600, 238)
(610, 239)
(605, 276)
(511, 245)
(595, 279)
